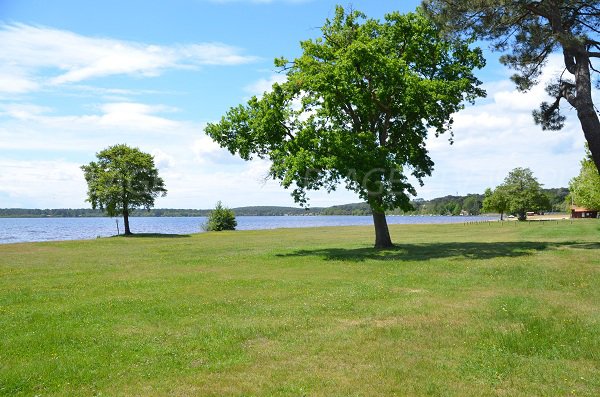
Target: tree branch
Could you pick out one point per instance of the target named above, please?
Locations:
(288, 131)
(566, 91)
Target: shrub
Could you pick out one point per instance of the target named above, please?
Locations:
(221, 218)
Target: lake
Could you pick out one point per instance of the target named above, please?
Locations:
(15, 230)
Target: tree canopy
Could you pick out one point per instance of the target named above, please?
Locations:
(123, 179)
(356, 109)
(496, 200)
(527, 32)
(521, 192)
(585, 187)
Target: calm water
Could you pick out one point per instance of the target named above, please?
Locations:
(14, 230)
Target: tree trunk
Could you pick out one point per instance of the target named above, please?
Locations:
(591, 129)
(522, 216)
(502, 216)
(126, 222)
(382, 233)
(588, 118)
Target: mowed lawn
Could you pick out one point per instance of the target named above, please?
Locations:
(454, 310)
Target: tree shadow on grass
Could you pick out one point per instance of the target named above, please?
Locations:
(585, 246)
(153, 235)
(424, 252)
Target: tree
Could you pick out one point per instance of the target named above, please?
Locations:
(356, 109)
(528, 31)
(585, 188)
(221, 218)
(496, 200)
(123, 179)
(524, 193)
(472, 204)
(557, 197)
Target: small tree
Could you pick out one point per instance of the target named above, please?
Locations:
(585, 188)
(221, 218)
(524, 193)
(123, 179)
(496, 200)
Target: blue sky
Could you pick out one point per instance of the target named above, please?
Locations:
(78, 76)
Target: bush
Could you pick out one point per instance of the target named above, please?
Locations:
(221, 218)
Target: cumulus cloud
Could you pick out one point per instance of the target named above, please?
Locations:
(208, 153)
(263, 85)
(162, 160)
(497, 135)
(30, 127)
(37, 56)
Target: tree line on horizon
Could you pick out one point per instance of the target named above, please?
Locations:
(446, 205)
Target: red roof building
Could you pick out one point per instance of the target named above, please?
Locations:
(581, 212)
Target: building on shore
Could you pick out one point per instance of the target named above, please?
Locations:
(581, 212)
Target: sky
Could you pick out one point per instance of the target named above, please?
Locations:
(79, 76)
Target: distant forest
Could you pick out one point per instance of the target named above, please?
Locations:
(448, 205)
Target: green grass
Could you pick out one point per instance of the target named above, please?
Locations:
(453, 310)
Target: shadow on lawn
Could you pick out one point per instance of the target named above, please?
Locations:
(423, 252)
(154, 235)
(586, 246)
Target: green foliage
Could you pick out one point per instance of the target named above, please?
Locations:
(356, 108)
(472, 204)
(523, 193)
(496, 201)
(347, 209)
(585, 188)
(221, 218)
(123, 179)
(557, 197)
(527, 32)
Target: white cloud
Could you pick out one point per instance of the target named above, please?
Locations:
(15, 81)
(133, 116)
(497, 135)
(162, 160)
(22, 111)
(263, 85)
(32, 127)
(205, 148)
(34, 56)
(49, 183)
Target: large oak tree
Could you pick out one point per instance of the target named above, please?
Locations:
(527, 32)
(356, 109)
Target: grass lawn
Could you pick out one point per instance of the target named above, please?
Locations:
(453, 310)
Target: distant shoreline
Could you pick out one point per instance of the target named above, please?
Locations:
(203, 216)
(469, 205)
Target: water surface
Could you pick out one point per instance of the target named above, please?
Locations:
(14, 230)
